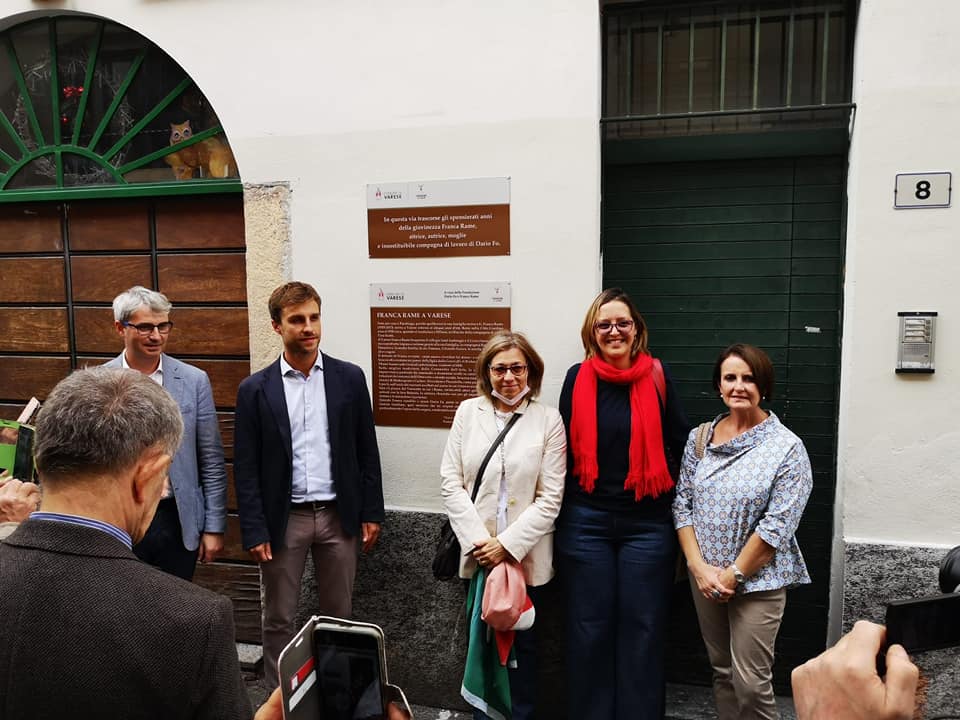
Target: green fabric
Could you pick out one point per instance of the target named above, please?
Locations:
(486, 685)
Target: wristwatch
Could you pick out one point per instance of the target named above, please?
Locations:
(737, 574)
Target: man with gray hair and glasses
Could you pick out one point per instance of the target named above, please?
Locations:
(192, 514)
(89, 630)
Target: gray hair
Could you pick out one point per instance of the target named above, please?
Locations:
(127, 303)
(100, 420)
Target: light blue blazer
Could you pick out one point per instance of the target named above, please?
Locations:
(197, 475)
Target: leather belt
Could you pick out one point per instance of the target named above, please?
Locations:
(313, 505)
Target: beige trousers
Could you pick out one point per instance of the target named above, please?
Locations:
(335, 557)
(740, 636)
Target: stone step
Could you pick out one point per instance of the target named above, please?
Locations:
(251, 657)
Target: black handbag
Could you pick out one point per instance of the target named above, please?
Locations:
(446, 560)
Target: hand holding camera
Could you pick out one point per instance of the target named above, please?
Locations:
(843, 681)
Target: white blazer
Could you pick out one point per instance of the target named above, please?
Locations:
(535, 463)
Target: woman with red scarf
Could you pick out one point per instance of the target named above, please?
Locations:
(626, 432)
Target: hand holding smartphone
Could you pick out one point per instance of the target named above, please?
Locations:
(335, 669)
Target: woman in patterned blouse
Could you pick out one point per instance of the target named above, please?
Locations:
(736, 511)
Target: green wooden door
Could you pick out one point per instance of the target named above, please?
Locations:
(742, 251)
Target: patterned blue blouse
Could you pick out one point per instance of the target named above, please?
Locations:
(757, 482)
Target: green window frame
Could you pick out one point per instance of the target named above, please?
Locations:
(87, 109)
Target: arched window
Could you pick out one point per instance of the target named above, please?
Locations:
(88, 104)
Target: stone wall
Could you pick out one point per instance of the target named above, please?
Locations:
(875, 575)
(425, 625)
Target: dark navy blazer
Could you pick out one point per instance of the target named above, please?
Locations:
(263, 452)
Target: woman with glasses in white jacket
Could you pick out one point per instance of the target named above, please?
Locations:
(521, 488)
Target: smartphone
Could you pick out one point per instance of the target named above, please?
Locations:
(336, 669)
(16, 450)
(351, 669)
(23, 456)
(927, 623)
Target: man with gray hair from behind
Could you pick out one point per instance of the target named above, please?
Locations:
(90, 631)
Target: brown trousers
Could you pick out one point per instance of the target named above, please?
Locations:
(335, 563)
(740, 636)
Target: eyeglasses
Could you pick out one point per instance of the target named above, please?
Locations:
(518, 370)
(605, 326)
(146, 329)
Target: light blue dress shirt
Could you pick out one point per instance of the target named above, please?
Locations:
(121, 535)
(757, 482)
(309, 432)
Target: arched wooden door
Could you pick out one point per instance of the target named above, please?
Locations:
(115, 171)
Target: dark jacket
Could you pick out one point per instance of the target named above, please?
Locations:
(263, 452)
(87, 630)
(613, 439)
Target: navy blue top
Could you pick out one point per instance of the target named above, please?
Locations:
(613, 447)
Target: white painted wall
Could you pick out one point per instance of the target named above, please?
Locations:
(329, 96)
(900, 435)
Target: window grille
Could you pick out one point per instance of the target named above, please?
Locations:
(707, 67)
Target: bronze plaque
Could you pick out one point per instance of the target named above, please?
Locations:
(467, 230)
(424, 360)
(465, 217)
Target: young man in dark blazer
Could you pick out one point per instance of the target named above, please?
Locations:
(307, 470)
(88, 630)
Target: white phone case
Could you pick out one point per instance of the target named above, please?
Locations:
(298, 676)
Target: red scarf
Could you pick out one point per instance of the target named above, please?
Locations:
(648, 475)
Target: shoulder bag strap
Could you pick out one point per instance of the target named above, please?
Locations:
(486, 460)
(700, 443)
(659, 382)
